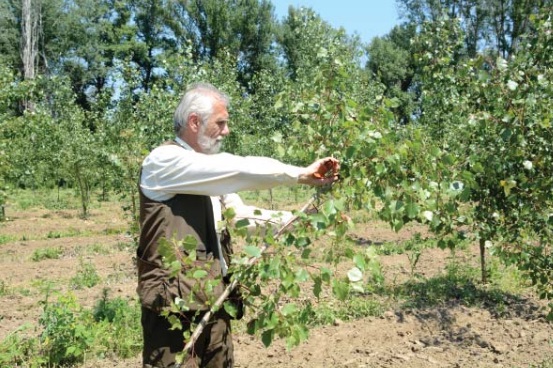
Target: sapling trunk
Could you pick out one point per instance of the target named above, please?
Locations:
(483, 260)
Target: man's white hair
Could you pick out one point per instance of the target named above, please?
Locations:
(198, 99)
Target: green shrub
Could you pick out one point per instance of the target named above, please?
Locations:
(86, 276)
(66, 332)
(119, 321)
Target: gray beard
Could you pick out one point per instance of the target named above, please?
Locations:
(209, 145)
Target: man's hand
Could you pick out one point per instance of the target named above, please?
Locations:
(321, 172)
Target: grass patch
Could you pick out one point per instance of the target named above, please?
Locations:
(66, 234)
(114, 231)
(44, 198)
(46, 253)
(93, 249)
(4, 289)
(461, 285)
(415, 244)
(6, 239)
(356, 307)
(129, 245)
(548, 363)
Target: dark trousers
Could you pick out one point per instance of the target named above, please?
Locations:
(213, 348)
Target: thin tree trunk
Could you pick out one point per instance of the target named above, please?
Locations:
(84, 190)
(29, 44)
(483, 260)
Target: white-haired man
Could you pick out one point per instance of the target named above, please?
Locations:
(185, 185)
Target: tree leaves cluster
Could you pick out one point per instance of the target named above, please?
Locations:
(474, 163)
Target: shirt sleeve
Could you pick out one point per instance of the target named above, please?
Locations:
(257, 217)
(169, 170)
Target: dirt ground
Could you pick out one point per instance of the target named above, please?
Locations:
(448, 335)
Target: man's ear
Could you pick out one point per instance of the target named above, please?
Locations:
(193, 122)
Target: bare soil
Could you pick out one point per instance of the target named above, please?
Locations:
(450, 334)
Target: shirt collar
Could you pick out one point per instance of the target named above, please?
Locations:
(183, 144)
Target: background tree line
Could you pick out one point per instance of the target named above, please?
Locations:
(104, 52)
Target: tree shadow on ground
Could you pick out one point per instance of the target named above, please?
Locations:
(445, 292)
(433, 302)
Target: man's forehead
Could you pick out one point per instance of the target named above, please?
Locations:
(220, 107)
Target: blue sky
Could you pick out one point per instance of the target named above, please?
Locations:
(368, 18)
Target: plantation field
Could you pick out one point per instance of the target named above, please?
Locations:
(431, 310)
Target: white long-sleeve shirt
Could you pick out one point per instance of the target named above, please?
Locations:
(169, 170)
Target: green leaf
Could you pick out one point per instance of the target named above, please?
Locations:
(189, 243)
(167, 251)
(329, 208)
(231, 309)
(252, 251)
(305, 253)
(297, 335)
(267, 337)
(302, 241)
(319, 220)
(174, 321)
(448, 159)
(317, 286)
(340, 289)
(229, 213)
(435, 151)
(359, 261)
(412, 209)
(251, 326)
(181, 304)
(289, 308)
(397, 224)
(281, 152)
(174, 267)
(242, 223)
(326, 274)
(199, 274)
(301, 275)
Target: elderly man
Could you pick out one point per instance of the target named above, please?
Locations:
(185, 185)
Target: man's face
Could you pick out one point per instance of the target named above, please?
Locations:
(212, 132)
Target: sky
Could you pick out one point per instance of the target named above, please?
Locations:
(367, 18)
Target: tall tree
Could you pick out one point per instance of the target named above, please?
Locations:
(243, 29)
(494, 25)
(256, 25)
(98, 34)
(29, 36)
(508, 20)
(30, 12)
(11, 33)
(305, 37)
(153, 37)
(390, 60)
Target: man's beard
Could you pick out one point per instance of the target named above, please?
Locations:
(208, 145)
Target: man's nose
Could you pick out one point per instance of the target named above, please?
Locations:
(225, 130)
